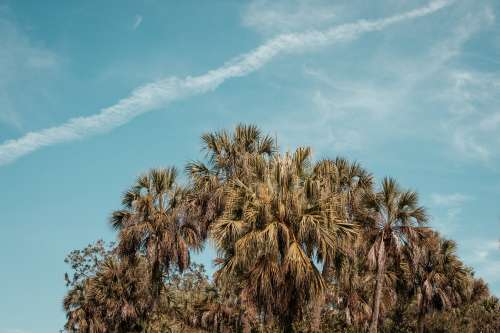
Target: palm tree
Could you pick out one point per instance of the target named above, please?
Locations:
(153, 223)
(226, 151)
(115, 299)
(217, 313)
(227, 155)
(347, 181)
(81, 314)
(352, 279)
(478, 289)
(439, 278)
(121, 293)
(393, 219)
(275, 220)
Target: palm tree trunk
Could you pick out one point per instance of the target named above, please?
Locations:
(378, 287)
(420, 321)
(316, 313)
(318, 304)
(290, 316)
(156, 282)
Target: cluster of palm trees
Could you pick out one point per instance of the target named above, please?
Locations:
(302, 246)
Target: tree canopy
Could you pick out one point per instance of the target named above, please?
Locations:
(302, 245)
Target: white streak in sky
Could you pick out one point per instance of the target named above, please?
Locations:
(162, 92)
(137, 22)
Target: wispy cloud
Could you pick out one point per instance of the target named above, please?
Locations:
(453, 199)
(475, 114)
(21, 62)
(484, 255)
(394, 95)
(160, 93)
(15, 330)
(448, 209)
(137, 22)
(274, 16)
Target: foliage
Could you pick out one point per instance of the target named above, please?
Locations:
(302, 246)
(85, 262)
(114, 299)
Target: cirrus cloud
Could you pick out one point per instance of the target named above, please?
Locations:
(155, 95)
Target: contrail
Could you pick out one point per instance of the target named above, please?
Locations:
(160, 93)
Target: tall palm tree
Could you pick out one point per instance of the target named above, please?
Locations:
(438, 277)
(347, 181)
(225, 151)
(227, 156)
(153, 222)
(344, 180)
(393, 218)
(275, 220)
(350, 290)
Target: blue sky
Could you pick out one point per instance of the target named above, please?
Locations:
(93, 95)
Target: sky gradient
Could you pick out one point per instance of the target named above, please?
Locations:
(93, 95)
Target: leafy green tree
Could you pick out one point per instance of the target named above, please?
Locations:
(85, 262)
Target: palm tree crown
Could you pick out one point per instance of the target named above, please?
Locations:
(153, 222)
(227, 157)
(274, 222)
